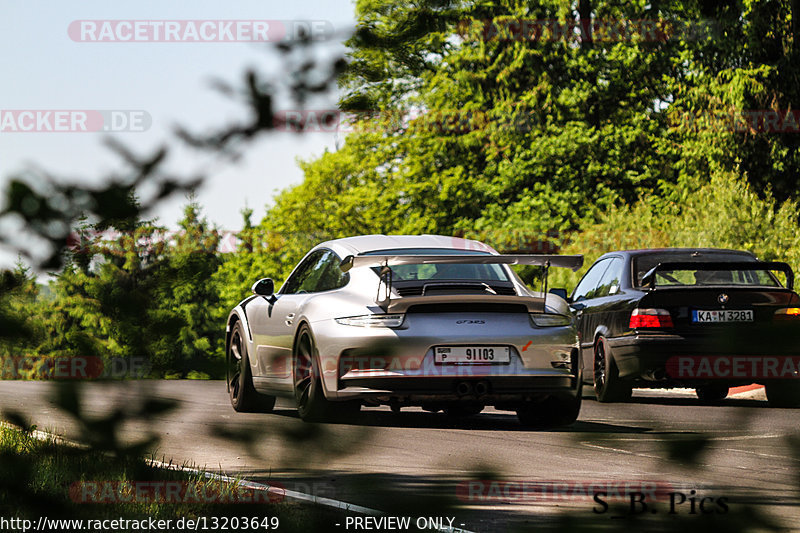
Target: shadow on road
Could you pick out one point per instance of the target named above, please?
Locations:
(490, 502)
(688, 401)
(695, 402)
(415, 496)
(487, 421)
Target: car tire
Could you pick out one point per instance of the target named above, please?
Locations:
(312, 406)
(239, 378)
(608, 387)
(712, 393)
(554, 411)
(783, 394)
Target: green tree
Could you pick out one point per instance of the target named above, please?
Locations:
(187, 290)
(475, 131)
(141, 293)
(18, 292)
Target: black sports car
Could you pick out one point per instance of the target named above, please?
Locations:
(706, 319)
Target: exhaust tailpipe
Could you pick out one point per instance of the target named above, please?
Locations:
(463, 388)
(656, 375)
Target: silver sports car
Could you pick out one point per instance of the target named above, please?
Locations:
(438, 322)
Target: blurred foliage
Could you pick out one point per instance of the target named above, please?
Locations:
(124, 287)
(41, 475)
(20, 291)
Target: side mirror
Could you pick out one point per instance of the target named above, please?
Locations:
(264, 287)
(560, 292)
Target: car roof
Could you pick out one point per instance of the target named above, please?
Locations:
(371, 243)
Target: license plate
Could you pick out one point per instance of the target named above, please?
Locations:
(472, 354)
(726, 315)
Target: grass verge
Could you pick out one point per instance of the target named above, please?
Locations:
(46, 477)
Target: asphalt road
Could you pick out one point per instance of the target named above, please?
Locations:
(422, 464)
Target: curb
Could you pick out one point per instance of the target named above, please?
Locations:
(745, 388)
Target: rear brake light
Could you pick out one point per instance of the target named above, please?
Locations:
(789, 312)
(651, 318)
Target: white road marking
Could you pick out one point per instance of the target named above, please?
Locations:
(783, 457)
(740, 437)
(618, 450)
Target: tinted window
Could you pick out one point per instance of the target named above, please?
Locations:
(590, 281)
(319, 272)
(609, 283)
(301, 273)
(326, 275)
(426, 272)
(642, 264)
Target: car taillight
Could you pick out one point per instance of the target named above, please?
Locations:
(651, 318)
(788, 313)
(373, 321)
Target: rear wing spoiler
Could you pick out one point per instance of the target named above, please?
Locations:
(649, 279)
(573, 262)
(386, 262)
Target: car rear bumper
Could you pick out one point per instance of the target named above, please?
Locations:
(670, 360)
(384, 363)
(488, 390)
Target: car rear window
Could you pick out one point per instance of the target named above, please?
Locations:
(426, 272)
(644, 263)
